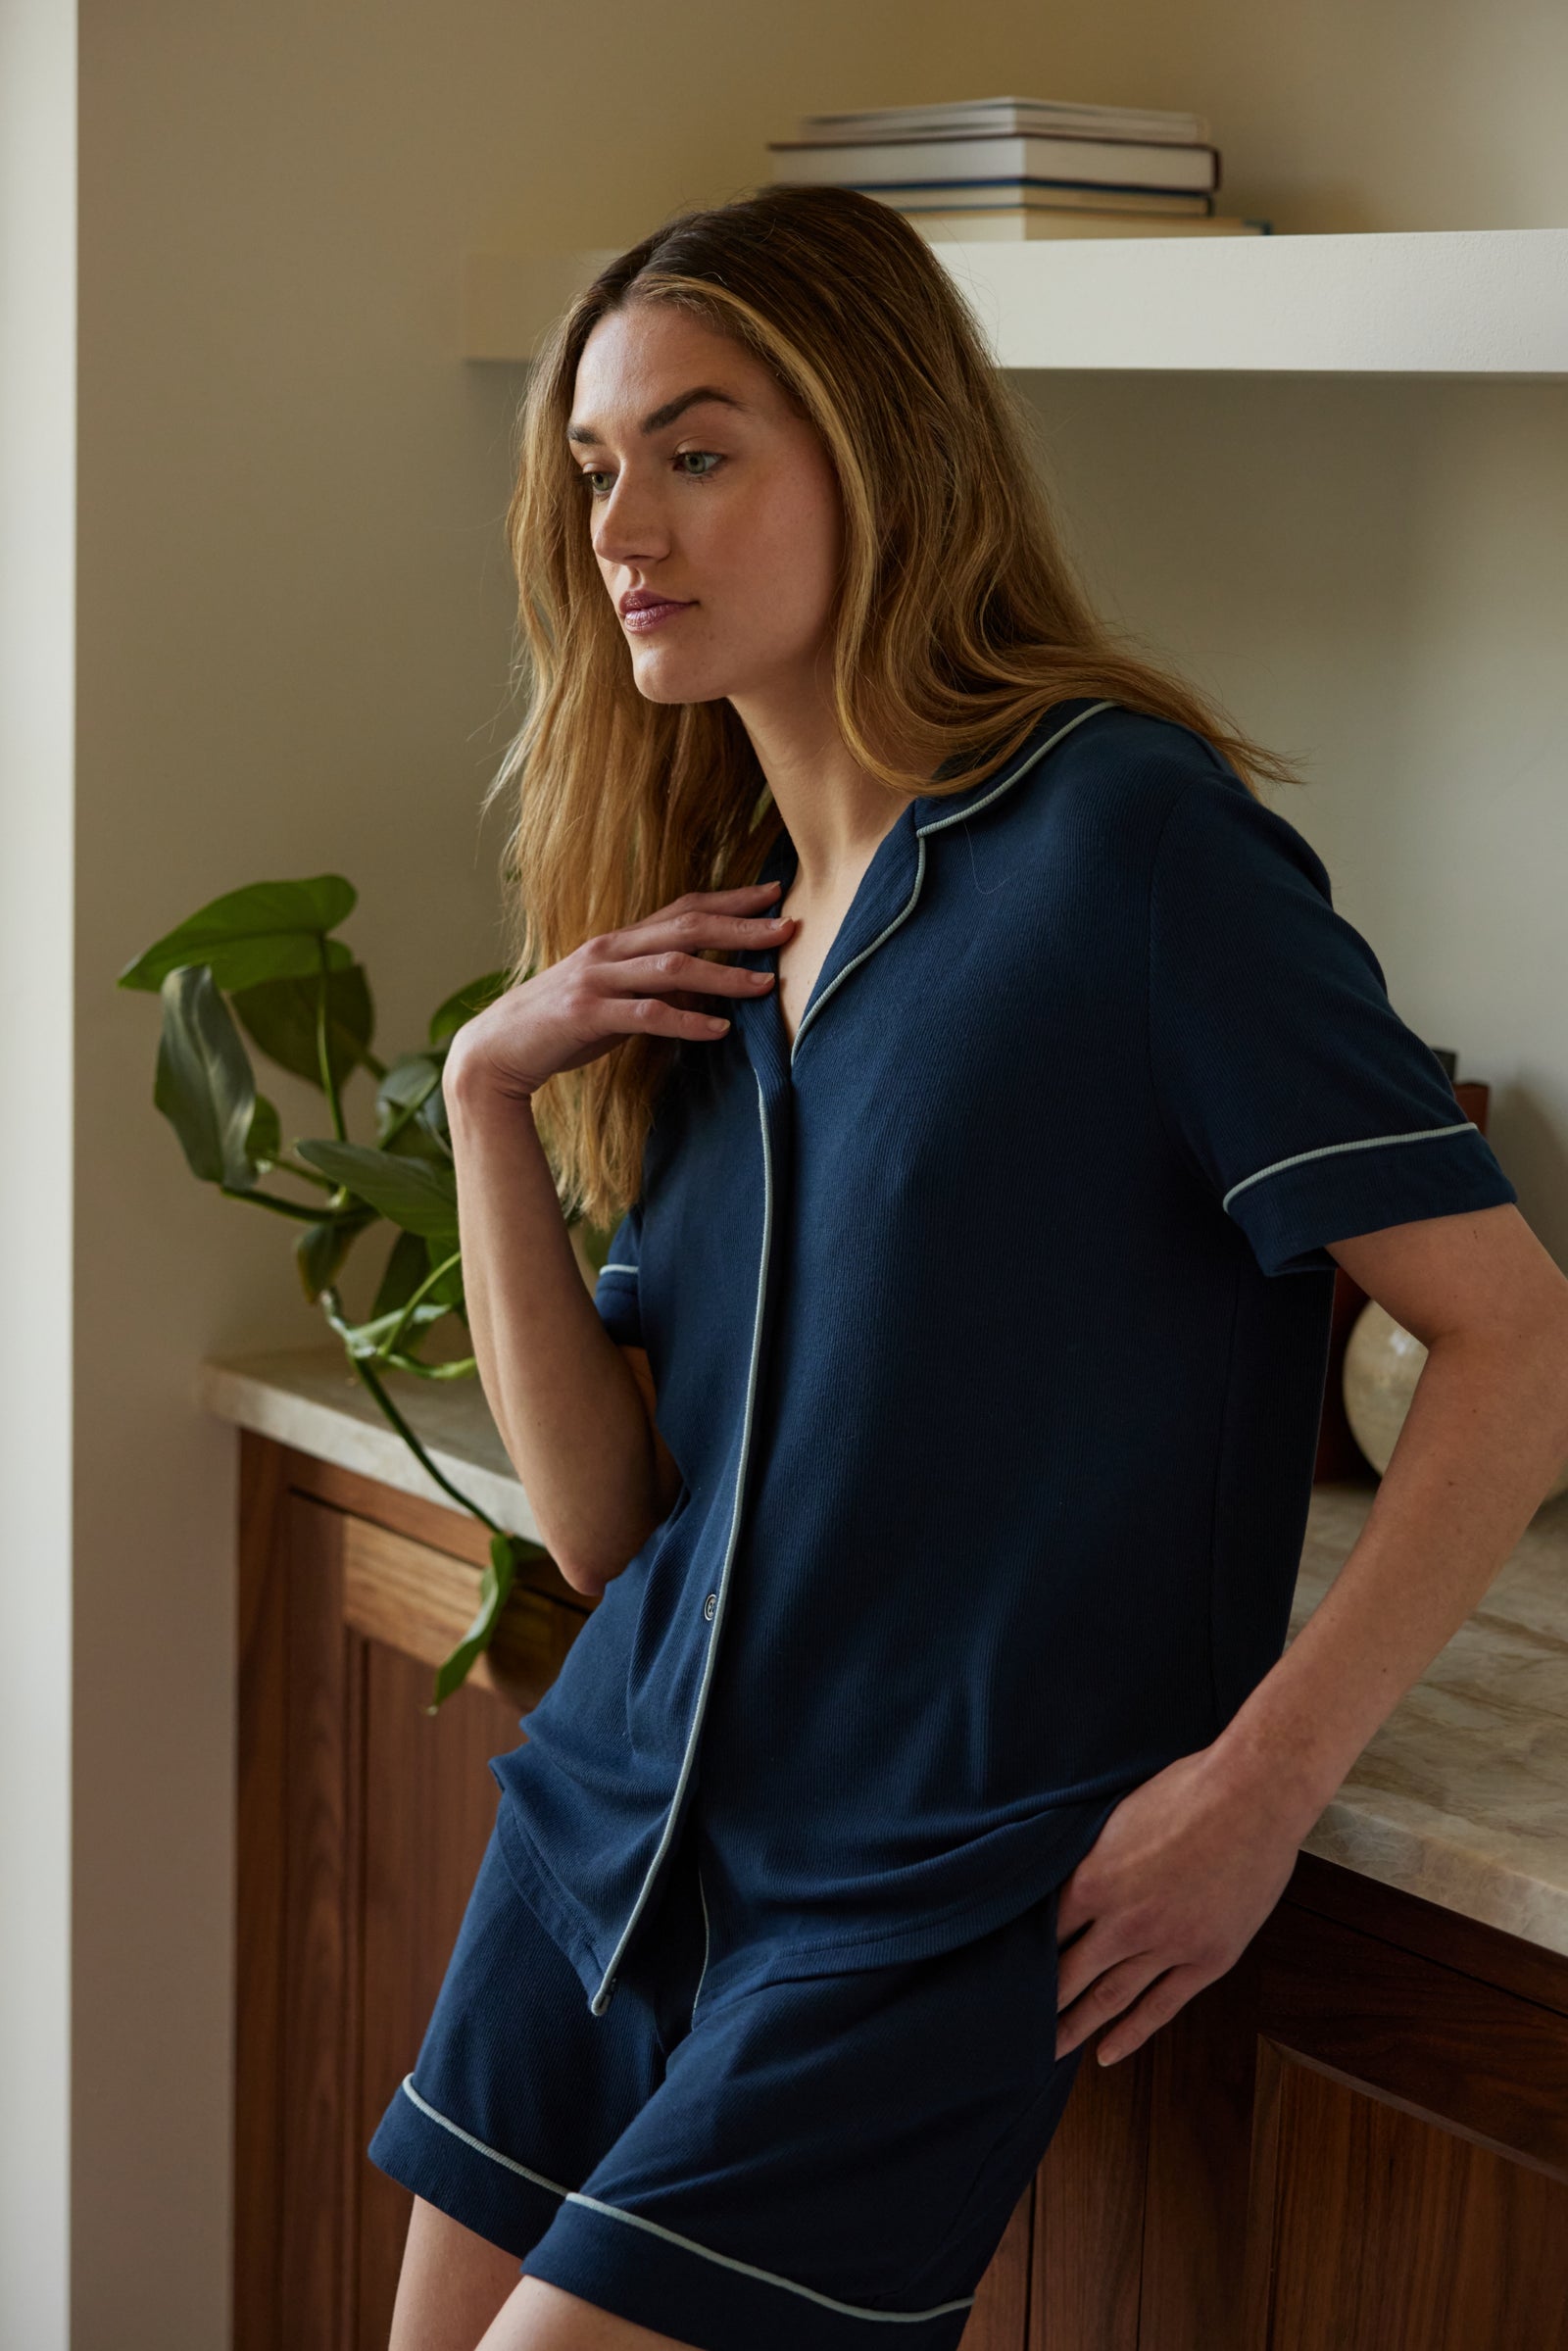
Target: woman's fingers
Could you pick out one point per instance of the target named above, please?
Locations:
(1106, 1997)
(656, 1016)
(1167, 1990)
(691, 929)
(676, 969)
(652, 977)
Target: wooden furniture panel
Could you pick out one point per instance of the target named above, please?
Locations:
(362, 1819)
(421, 1851)
(1356, 2140)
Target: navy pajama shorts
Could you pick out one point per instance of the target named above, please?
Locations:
(814, 2165)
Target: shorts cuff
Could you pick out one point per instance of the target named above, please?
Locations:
(489, 2192)
(656, 2278)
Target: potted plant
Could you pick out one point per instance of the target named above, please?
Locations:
(263, 960)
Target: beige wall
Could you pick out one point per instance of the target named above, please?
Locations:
(292, 646)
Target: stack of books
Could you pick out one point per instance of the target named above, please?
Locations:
(990, 168)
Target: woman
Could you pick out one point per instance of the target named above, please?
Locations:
(963, 1051)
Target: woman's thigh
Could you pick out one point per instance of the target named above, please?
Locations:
(516, 2092)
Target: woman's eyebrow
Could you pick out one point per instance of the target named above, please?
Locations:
(656, 418)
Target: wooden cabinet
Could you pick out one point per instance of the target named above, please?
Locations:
(1356, 2140)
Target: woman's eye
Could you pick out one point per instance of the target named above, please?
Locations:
(696, 464)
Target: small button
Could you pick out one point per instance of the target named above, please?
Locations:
(709, 1604)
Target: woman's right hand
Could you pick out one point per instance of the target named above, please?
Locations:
(619, 984)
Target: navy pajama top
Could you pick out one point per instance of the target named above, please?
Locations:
(989, 1324)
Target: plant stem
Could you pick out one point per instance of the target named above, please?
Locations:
(307, 1175)
(333, 1306)
(384, 1351)
(283, 1207)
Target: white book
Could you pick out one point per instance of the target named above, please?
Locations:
(1016, 115)
(957, 162)
(1020, 223)
(1002, 194)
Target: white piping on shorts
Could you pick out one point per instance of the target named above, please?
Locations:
(1367, 1143)
(618, 1267)
(935, 824)
(571, 2195)
(852, 2309)
(478, 2146)
(602, 1998)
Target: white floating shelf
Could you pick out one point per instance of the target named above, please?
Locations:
(1460, 302)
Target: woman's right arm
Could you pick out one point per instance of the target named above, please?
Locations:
(573, 1413)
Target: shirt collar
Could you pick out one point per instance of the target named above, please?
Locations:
(888, 891)
(927, 811)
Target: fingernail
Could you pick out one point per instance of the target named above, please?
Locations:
(719, 1024)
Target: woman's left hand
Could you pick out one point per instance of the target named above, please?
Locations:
(1178, 1882)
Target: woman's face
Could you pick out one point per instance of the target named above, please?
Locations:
(711, 503)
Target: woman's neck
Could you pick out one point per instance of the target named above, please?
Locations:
(833, 810)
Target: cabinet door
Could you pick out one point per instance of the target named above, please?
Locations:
(1354, 2147)
(362, 1819)
(1409, 2177)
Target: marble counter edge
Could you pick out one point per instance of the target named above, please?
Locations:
(287, 1394)
(310, 1399)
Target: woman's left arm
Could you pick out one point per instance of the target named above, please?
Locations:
(1191, 1863)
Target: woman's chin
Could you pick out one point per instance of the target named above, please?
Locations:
(660, 679)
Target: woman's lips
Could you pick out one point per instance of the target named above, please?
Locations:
(649, 615)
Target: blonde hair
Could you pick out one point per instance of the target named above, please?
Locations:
(956, 622)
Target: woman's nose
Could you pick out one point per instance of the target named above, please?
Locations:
(629, 526)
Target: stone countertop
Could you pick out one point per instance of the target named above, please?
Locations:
(1461, 1798)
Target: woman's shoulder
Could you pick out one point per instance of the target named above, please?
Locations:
(1129, 761)
(1099, 800)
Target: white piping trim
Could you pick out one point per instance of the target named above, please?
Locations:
(698, 1994)
(957, 815)
(602, 1998)
(469, 2140)
(852, 2309)
(1368, 1142)
(839, 977)
(935, 824)
(618, 1268)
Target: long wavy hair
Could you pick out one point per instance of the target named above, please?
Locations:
(956, 622)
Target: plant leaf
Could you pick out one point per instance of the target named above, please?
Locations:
(280, 1017)
(403, 1105)
(413, 1193)
(204, 1084)
(265, 931)
(408, 1262)
(495, 1586)
(465, 1002)
(447, 1289)
(320, 1250)
(264, 1143)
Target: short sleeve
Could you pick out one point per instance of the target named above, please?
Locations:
(1281, 1069)
(616, 1291)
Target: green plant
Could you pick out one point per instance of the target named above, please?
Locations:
(306, 1004)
